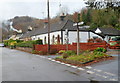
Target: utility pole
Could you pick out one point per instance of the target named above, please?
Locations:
(48, 27)
(78, 40)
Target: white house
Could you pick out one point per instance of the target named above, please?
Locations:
(61, 32)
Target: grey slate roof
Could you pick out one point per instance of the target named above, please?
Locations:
(58, 26)
(68, 24)
(108, 32)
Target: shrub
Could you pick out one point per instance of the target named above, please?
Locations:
(29, 43)
(25, 44)
(5, 42)
(11, 42)
(68, 53)
(61, 51)
(100, 50)
(38, 42)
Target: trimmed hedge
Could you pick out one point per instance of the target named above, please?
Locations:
(29, 43)
(11, 42)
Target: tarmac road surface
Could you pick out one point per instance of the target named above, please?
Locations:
(21, 66)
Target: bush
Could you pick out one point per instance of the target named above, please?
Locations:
(100, 50)
(68, 53)
(88, 57)
(61, 51)
(29, 43)
(38, 42)
(25, 44)
(11, 42)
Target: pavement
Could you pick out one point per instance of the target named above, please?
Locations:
(22, 66)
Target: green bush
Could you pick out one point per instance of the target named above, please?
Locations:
(38, 42)
(100, 50)
(68, 53)
(29, 43)
(25, 44)
(61, 51)
(11, 42)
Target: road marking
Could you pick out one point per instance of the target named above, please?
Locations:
(58, 61)
(81, 69)
(67, 64)
(74, 66)
(62, 63)
(104, 76)
(49, 58)
(109, 73)
(113, 79)
(97, 70)
(90, 72)
(88, 67)
(53, 60)
(98, 75)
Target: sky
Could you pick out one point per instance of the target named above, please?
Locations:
(37, 8)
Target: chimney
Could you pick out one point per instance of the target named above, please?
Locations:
(45, 21)
(62, 16)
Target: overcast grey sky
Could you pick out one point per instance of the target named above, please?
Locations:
(35, 8)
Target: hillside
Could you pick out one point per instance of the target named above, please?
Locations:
(24, 22)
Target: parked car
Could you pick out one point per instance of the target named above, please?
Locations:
(114, 42)
(1, 44)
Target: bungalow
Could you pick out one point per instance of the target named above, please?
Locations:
(61, 32)
(106, 33)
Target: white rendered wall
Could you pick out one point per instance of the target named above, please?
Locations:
(83, 36)
(72, 36)
(42, 36)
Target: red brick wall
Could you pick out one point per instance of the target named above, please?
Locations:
(83, 46)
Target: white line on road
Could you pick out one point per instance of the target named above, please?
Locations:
(49, 58)
(90, 72)
(97, 70)
(53, 60)
(67, 64)
(109, 73)
(58, 61)
(88, 67)
(113, 80)
(74, 66)
(62, 63)
(81, 69)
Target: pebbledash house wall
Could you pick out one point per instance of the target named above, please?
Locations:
(72, 36)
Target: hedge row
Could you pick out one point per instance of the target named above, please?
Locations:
(21, 43)
(29, 43)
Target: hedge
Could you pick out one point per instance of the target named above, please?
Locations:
(29, 43)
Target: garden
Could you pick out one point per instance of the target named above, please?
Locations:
(85, 57)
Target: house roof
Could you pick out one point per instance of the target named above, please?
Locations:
(106, 31)
(57, 26)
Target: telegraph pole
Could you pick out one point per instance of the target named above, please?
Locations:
(48, 27)
(78, 40)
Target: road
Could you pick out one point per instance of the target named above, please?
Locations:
(21, 66)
